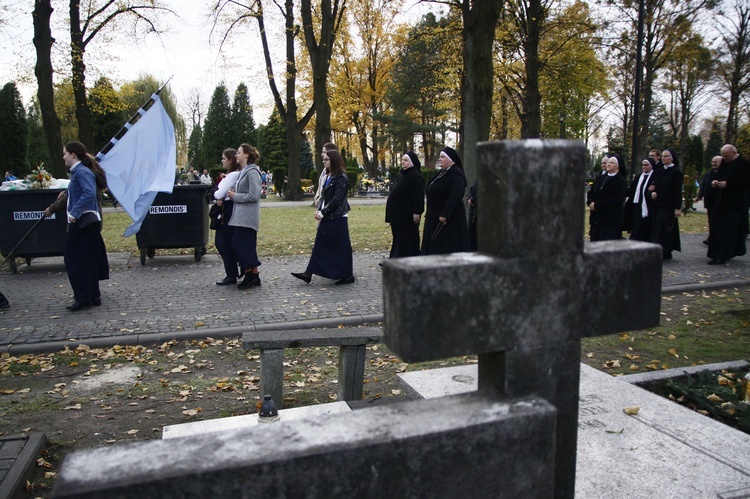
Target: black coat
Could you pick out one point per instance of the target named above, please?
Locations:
(334, 197)
(609, 201)
(706, 192)
(737, 176)
(632, 210)
(406, 197)
(667, 183)
(445, 194)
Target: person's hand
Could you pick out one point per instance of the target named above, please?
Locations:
(443, 220)
(722, 184)
(71, 220)
(318, 215)
(592, 208)
(416, 218)
(653, 195)
(231, 194)
(677, 213)
(47, 213)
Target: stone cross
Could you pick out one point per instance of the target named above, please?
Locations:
(524, 303)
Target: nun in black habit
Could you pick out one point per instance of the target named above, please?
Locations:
(405, 206)
(445, 229)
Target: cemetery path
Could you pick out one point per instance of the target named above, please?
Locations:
(174, 297)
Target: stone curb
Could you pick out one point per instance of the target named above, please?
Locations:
(157, 338)
(12, 485)
(696, 286)
(678, 372)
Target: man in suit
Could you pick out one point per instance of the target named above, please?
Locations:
(729, 216)
(706, 190)
(665, 191)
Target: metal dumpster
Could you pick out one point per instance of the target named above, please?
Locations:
(19, 211)
(176, 220)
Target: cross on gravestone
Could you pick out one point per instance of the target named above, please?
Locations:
(525, 302)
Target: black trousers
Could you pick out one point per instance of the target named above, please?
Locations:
(245, 246)
(85, 261)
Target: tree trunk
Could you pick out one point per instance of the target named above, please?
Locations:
(531, 126)
(320, 61)
(45, 90)
(478, 35)
(77, 51)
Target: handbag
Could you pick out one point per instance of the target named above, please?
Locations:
(87, 220)
(215, 214)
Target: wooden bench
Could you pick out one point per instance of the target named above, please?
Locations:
(352, 343)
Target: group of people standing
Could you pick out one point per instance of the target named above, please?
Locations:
(650, 208)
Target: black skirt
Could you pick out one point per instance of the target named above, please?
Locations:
(332, 253)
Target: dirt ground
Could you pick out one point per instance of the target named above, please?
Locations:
(88, 398)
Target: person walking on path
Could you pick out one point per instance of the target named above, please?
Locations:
(225, 232)
(729, 216)
(666, 200)
(445, 229)
(405, 206)
(85, 255)
(608, 204)
(706, 191)
(332, 252)
(246, 215)
(637, 214)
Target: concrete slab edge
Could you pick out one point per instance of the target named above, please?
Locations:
(23, 465)
(198, 334)
(677, 372)
(697, 286)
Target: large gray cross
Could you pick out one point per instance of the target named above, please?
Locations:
(524, 303)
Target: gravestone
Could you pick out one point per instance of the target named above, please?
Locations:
(523, 306)
(525, 302)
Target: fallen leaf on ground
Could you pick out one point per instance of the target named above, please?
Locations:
(631, 411)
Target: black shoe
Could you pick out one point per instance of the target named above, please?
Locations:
(249, 281)
(226, 281)
(4, 302)
(77, 305)
(348, 280)
(97, 302)
(301, 275)
(717, 262)
(705, 241)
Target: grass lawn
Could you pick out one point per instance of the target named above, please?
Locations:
(291, 230)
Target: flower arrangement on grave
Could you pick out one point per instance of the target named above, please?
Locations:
(39, 178)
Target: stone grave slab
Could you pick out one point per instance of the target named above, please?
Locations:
(248, 420)
(665, 450)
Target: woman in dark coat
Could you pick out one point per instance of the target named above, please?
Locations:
(405, 206)
(332, 253)
(608, 204)
(445, 229)
(85, 254)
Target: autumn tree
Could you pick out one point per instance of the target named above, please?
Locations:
(99, 16)
(363, 72)
(734, 30)
(714, 143)
(420, 97)
(45, 88)
(687, 76)
(14, 130)
(107, 112)
(665, 24)
(241, 11)
(320, 36)
(194, 146)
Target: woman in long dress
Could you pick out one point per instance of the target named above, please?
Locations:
(404, 207)
(332, 252)
(445, 229)
(246, 215)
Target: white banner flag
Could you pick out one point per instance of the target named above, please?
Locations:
(142, 163)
